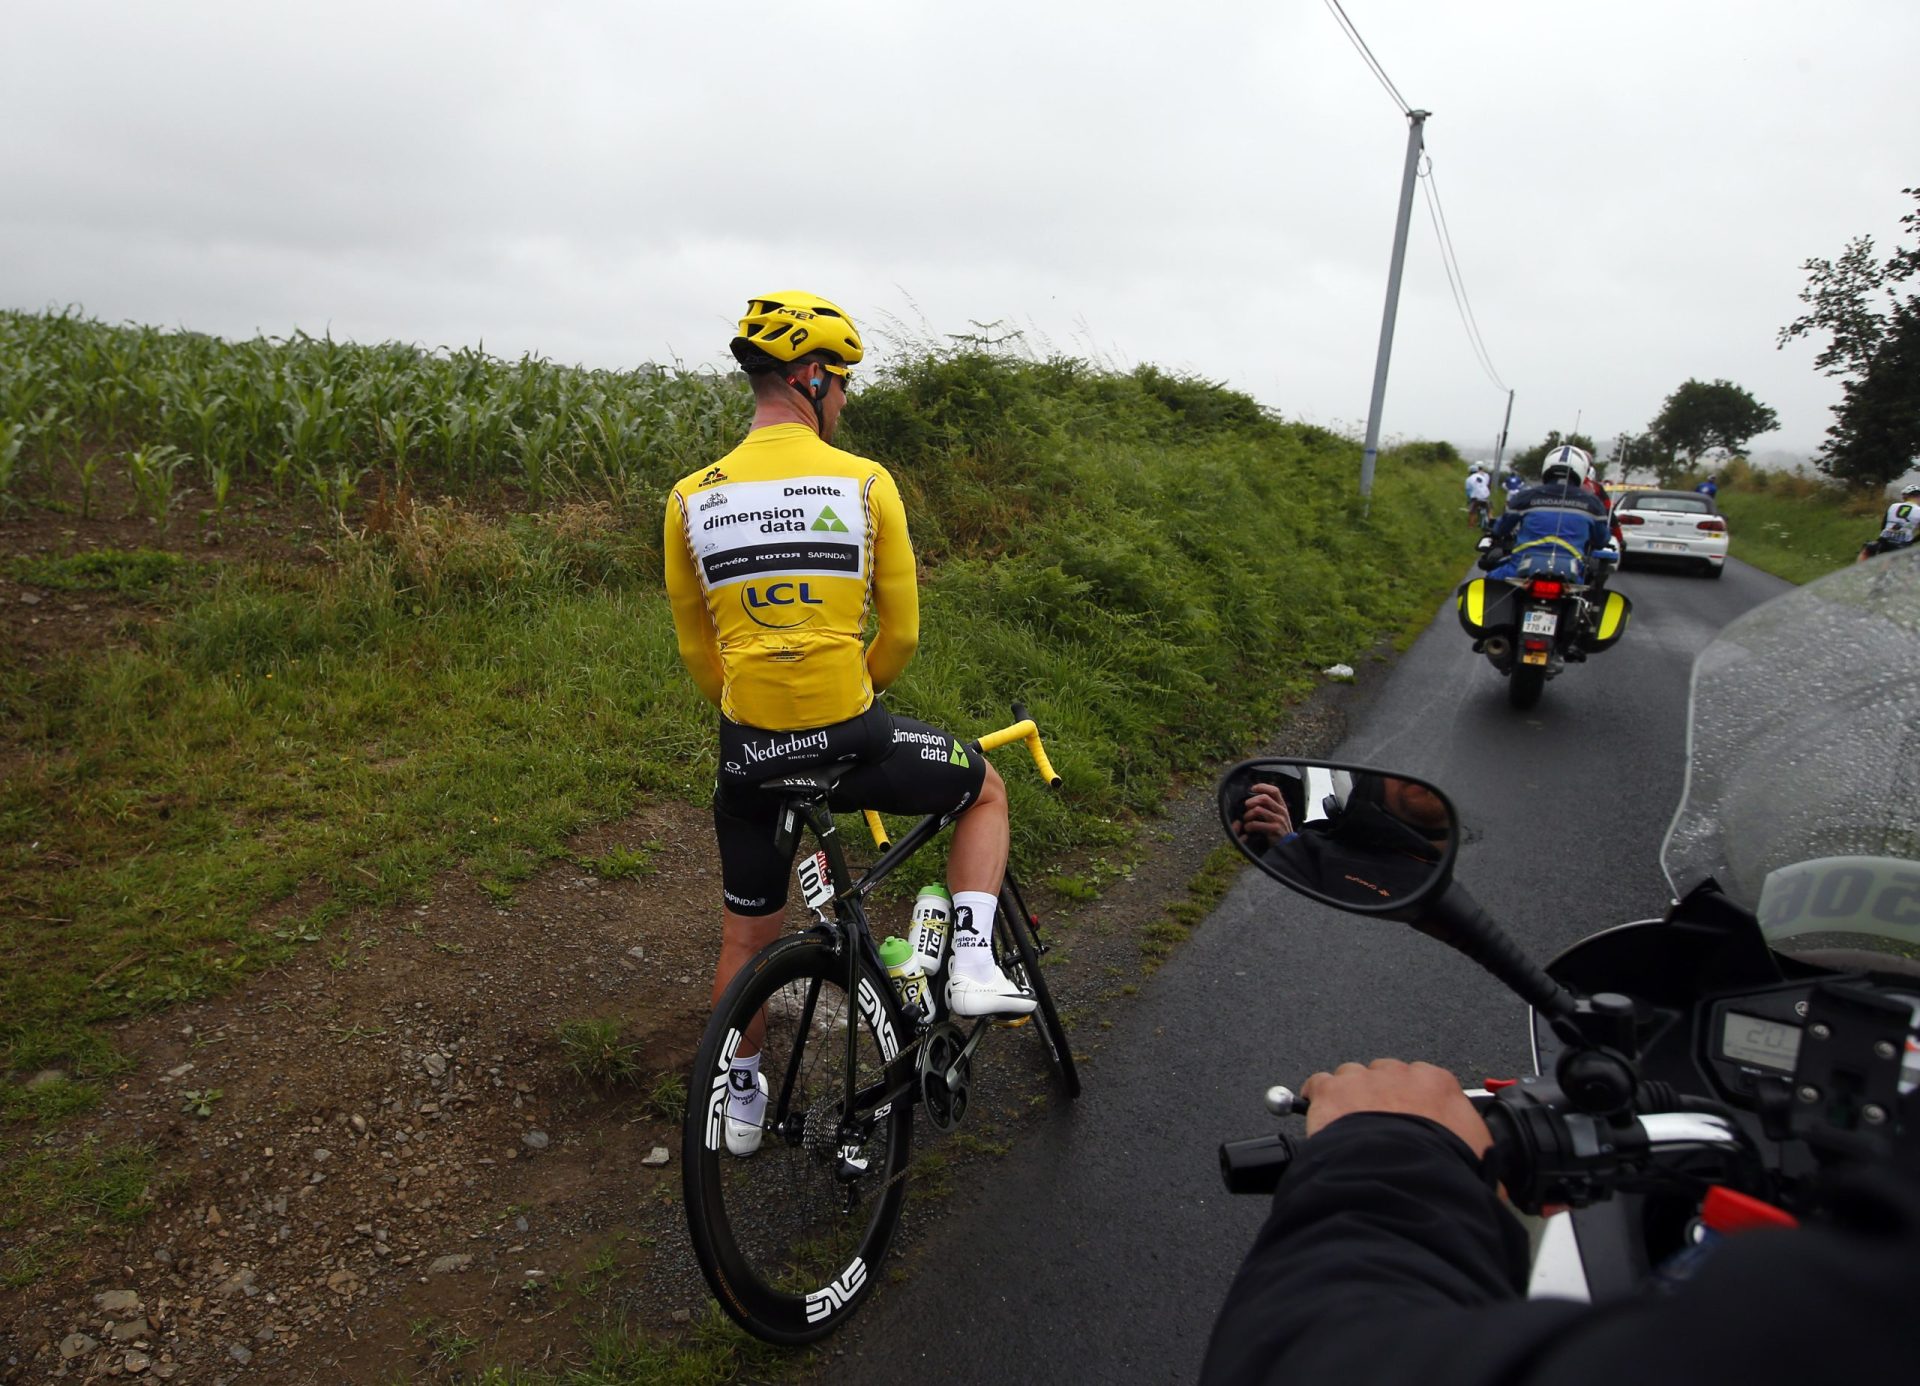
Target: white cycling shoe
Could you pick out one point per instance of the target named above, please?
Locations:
(743, 1137)
(994, 995)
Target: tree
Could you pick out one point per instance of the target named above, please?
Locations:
(1874, 346)
(1843, 295)
(1527, 461)
(1699, 417)
(1641, 452)
(1876, 432)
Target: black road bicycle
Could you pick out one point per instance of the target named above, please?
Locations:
(791, 1238)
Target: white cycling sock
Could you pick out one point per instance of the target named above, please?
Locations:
(973, 934)
(745, 1101)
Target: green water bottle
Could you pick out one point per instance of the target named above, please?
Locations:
(909, 978)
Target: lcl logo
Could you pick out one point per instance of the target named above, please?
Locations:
(782, 594)
(776, 599)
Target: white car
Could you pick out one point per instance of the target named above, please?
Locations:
(1671, 526)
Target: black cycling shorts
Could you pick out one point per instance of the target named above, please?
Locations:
(902, 766)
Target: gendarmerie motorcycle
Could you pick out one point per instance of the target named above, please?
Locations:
(1531, 626)
(1698, 1074)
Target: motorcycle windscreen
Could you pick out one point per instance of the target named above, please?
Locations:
(1615, 609)
(1487, 607)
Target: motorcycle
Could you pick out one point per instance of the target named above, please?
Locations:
(1532, 625)
(1702, 1073)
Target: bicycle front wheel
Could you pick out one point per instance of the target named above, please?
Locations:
(791, 1237)
(1022, 963)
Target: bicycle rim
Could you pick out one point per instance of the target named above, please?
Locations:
(1023, 965)
(789, 1249)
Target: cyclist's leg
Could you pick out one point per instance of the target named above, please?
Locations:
(978, 858)
(931, 772)
(753, 884)
(743, 936)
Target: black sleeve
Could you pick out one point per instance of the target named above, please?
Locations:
(1388, 1260)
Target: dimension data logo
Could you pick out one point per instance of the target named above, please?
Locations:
(830, 522)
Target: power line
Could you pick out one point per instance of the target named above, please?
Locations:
(1366, 55)
(1456, 279)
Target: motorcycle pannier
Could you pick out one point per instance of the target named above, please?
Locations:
(1610, 625)
(1486, 607)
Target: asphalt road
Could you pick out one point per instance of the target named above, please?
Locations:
(1099, 1248)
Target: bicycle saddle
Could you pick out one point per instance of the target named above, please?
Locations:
(810, 782)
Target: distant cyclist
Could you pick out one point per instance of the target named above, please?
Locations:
(1904, 514)
(1900, 527)
(775, 556)
(1510, 482)
(1479, 496)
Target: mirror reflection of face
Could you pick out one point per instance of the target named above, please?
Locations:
(1413, 803)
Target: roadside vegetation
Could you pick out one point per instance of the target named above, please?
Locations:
(1798, 527)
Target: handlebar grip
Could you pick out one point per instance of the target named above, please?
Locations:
(1020, 713)
(876, 828)
(1042, 764)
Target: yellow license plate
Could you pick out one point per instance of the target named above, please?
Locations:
(1533, 656)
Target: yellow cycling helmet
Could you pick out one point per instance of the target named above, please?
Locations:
(781, 328)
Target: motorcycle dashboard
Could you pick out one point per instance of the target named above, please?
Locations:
(1756, 1037)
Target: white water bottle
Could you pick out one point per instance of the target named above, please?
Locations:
(932, 913)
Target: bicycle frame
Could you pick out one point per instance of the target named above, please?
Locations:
(849, 895)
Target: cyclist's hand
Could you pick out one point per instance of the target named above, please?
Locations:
(1264, 814)
(1388, 1085)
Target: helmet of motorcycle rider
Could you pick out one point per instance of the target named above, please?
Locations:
(1335, 804)
(1568, 464)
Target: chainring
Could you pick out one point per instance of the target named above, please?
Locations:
(945, 1102)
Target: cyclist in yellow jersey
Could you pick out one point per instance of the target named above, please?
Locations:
(774, 557)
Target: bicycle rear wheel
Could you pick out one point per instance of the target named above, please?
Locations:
(1022, 963)
(790, 1238)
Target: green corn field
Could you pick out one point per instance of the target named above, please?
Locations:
(314, 416)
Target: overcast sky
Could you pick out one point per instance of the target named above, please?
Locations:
(1208, 186)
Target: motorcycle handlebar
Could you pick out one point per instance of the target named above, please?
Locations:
(1527, 1161)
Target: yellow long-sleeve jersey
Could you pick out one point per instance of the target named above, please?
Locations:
(774, 555)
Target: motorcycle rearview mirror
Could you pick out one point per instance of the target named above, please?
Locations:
(1365, 841)
(1373, 842)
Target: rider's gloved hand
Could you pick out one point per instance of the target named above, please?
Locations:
(1491, 559)
(1388, 1085)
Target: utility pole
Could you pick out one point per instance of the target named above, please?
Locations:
(1415, 120)
(1500, 448)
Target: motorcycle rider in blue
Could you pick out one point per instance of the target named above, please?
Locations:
(1553, 529)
